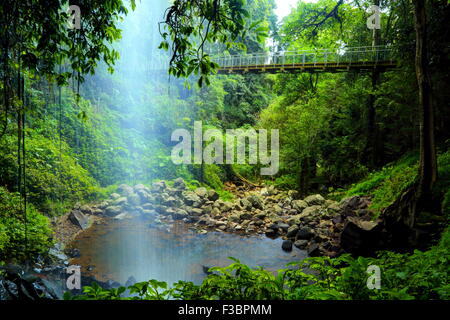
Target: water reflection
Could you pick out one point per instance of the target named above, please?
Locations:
(120, 249)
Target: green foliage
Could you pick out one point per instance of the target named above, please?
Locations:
(52, 176)
(387, 184)
(215, 21)
(44, 41)
(13, 233)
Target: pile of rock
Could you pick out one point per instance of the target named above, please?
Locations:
(312, 223)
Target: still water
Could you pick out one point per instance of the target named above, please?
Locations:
(120, 249)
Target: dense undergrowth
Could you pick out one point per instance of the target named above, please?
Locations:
(386, 185)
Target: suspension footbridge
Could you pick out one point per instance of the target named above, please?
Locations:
(317, 60)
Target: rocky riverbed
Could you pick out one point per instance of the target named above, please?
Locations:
(315, 224)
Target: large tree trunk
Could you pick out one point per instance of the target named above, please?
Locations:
(401, 218)
(428, 165)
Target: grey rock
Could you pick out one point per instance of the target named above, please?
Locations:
(112, 211)
(244, 216)
(179, 184)
(227, 206)
(304, 233)
(245, 204)
(314, 200)
(256, 202)
(213, 195)
(124, 190)
(179, 214)
(299, 205)
(134, 199)
(301, 244)
(313, 250)
(191, 198)
(114, 196)
(159, 186)
(79, 219)
(292, 231)
(120, 201)
(286, 245)
(201, 192)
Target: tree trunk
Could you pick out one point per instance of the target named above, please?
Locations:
(401, 217)
(428, 164)
(371, 143)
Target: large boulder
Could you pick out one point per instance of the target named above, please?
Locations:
(159, 186)
(201, 192)
(112, 211)
(293, 194)
(292, 231)
(349, 206)
(315, 200)
(213, 195)
(196, 212)
(227, 206)
(125, 190)
(123, 216)
(144, 196)
(286, 245)
(246, 204)
(170, 201)
(256, 202)
(313, 250)
(301, 244)
(122, 201)
(294, 220)
(134, 199)
(179, 214)
(304, 233)
(192, 199)
(299, 205)
(361, 237)
(179, 184)
(79, 219)
(311, 212)
(114, 196)
(245, 215)
(140, 187)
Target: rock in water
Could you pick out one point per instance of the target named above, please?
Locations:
(131, 280)
(286, 245)
(206, 270)
(79, 219)
(112, 211)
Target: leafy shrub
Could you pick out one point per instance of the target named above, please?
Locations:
(52, 176)
(12, 229)
(387, 184)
